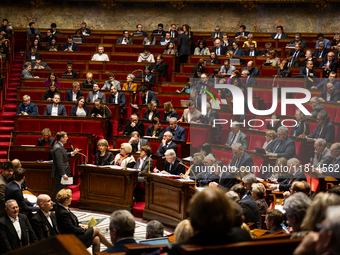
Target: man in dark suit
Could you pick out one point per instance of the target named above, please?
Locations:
(5, 176)
(329, 64)
(173, 31)
(316, 105)
(248, 201)
(283, 146)
(134, 125)
(241, 159)
(279, 34)
(226, 42)
(137, 142)
(125, 39)
(321, 51)
(273, 220)
(118, 98)
(252, 70)
(13, 191)
(299, 40)
(12, 225)
(49, 35)
(211, 214)
(166, 40)
(44, 222)
(329, 94)
(335, 163)
(55, 109)
(166, 144)
(61, 164)
(178, 132)
(331, 79)
(159, 66)
(309, 57)
(159, 30)
(292, 61)
(217, 33)
(84, 30)
(122, 229)
(247, 79)
(27, 108)
(297, 52)
(74, 93)
(309, 73)
(195, 97)
(70, 46)
(39, 64)
(183, 46)
(32, 55)
(147, 95)
(172, 164)
(219, 49)
(252, 51)
(225, 179)
(242, 34)
(139, 30)
(325, 129)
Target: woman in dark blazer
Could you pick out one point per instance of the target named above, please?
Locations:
(169, 111)
(145, 152)
(103, 156)
(68, 224)
(155, 130)
(284, 71)
(49, 94)
(46, 140)
(302, 126)
(80, 109)
(152, 112)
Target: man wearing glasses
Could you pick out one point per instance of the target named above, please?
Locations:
(134, 125)
(217, 33)
(325, 129)
(27, 108)
(125, 39)
(166, 144)
(283, 146)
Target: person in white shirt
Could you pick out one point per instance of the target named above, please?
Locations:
(100, 56)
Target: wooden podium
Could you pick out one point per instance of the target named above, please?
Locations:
(166, 200)
(106, 189)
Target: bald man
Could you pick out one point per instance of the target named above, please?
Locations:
(44, 222)
(329, 64)
(252, 70)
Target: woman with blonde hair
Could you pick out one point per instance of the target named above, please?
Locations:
(270, 137)
(103, 156)
(124, 158)
(279, 171)
(258, 190)
(249, 41)
(88, 83)
(272, 58)
(151, 112)
(169, 112)
(68, 224)
(183, 231)
(46, 140)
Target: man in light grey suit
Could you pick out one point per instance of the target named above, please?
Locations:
(108, 84)
(26, 73)
(322, 156)
(317, 106)
(241, 159)
(55, 109)
(191, 114)
(125, 39)
(236, 136)
(39, 64)
(61, 164)
(95, 94)
(137, 142)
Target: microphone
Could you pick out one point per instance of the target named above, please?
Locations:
(190, 169)
(78, 152)
(9, 147)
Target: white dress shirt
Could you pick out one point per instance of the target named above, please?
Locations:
(277, 36)
(16, 225)
(48, 217)
(54, 111)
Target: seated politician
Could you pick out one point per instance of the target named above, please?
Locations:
(169, 111)
(55, 109)
(283, 146)
(151, 112)
(225, 179)
(155, 130)
(129, 85)
(136, 142)
(111, 81)
(89, 82)
(134, 125)
(236, 136)
(27, 108)
(329, 94)
(46, 140)
(166, 144)
(99, 110)
(208, 172)
(124, 158)
(274, 123)
(49, 94)
(80, 109)
(302, 126)
(322, 154)
(117, 97)
(103, 156)
(147, 95)
(273, 221)
(258, 191)
(172, 165)
(196, 167)
(325, 129)
(74, 93)
(68, 224)
(241, 160)
(70, 72)
(270, 137)
(144, 162)
(191, 114)
(178, 132)
(277, 174)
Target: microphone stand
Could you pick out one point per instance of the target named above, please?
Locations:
(10, 143)
(191, 171)
(80, 154)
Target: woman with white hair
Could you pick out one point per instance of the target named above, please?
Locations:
(257, 192)
(129, 86)
(124, 158)
(302, 126)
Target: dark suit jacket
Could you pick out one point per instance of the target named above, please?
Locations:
(256, 53)
(274, 230)
(9, 239)
(162, 149)
(179, 134)
(223, 50)
(139, 128)
(170, 115)
(220, 35)
(183, 45)
(160, 68)
(315, 62)
(323, 55)
(121, 101)
(29, 55)
(335, 96)
(176, 168)
(156, 32)
(73, 110)
(328, 132)
(304, 72)
(42, 227)
(283, 36)
(87, 31)
(108, 158)
(251, 81)
(145, 166)
(250, 202)
(50, 142)
(300, 53)
(286, 148)
(226, 181)
(151, 97)
(253, 71)
(61, 110)
(155, 114)
(69, 95)
(287, 182)
(74, 75)
(152, 79)
(120, 245)
(245, 161)
(333, 66)
(61, 163)
(32, 109)
(74, 46)
(295, 62)
(68, 222)
(284, 72)
(142, 143)
(316, 110)
(238, 33)
(298, 130)
(13, 191)
(159, 132)
(303, 42)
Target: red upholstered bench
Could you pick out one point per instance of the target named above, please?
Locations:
(224, 156)
(256, 141)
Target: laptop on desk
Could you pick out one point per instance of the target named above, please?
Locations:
(77, 40)
(135, 34)
(235, 61)
(291, 45)
(298, 75)
(67, 76)
(260, 150)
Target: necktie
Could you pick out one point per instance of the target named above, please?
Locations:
(232, 140)
(218, 51)
(320, 55)
(277, 146)
(237, 162)
(170, 167)
(114, 99)
(295, 54)
(26, 108)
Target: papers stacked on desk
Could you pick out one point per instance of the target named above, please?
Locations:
(172, 176)
(30, 198)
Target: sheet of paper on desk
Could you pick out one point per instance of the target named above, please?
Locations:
(280, 208)
(48, 161)
(69, 181)
(30, 198)
(185, 180)
(165, 175)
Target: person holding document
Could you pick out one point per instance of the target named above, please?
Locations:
(172, 165)
(61, 165)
